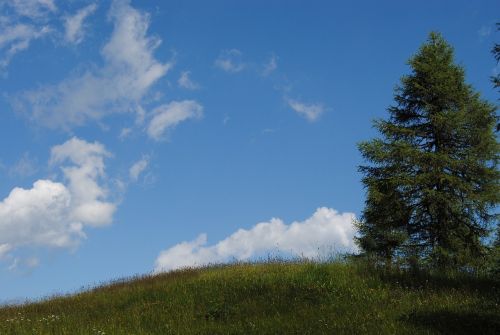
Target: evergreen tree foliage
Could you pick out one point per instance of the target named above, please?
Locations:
(496, 53)
(495, 267)
(432, 181)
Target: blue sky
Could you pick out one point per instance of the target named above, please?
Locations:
(149, 135)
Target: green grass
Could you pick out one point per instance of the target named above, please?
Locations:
(270, 298)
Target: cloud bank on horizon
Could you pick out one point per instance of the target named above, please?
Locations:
(326, 230)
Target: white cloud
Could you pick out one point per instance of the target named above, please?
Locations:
(310, 111)
(16, 37)
(83, 177)
(325, 228)
(74, 25)
(138, 167)
(270, 66)
(128, 73)
(167, 116)
(124, 133)
(186, 82)
(230, 61)
(34, 9)
(26, 22)
(53, 214)
(39, 216)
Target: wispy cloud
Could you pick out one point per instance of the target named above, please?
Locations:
(310, 111)
(169, 115)
(138, 168)
(52, 213)
(23, 263)
(269, 130)
(270, 66)
(230, 61)
(484, 31)
(185, 81)
(129, 72)
(27, 21)
(74, 24)
(16, 37)
(4, 250)
(124, 133)
(26, 166)
(34, 9)
(326, 228)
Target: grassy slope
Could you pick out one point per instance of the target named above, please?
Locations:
(274, 298)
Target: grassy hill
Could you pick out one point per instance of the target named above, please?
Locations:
(271, 298)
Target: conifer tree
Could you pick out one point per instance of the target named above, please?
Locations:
(432, 181)
(496, 53)
(496, 79)
(495, 267)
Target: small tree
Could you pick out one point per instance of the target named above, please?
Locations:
(433, 178)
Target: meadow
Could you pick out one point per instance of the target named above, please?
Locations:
(276, 297)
